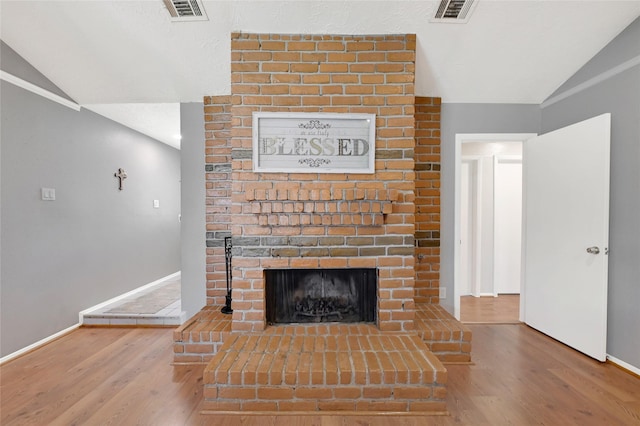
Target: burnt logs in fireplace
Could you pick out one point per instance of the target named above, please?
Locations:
(320, 295)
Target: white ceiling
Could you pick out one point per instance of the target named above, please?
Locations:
(129, 52)
(159, 121)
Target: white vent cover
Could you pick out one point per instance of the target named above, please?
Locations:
(454, 11)
(186, 10)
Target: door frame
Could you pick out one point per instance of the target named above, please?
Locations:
(475, 166)
(471, 138)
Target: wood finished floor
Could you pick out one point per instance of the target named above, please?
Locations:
(504, 309)
(123, 376)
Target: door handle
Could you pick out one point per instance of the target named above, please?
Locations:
(593, 250)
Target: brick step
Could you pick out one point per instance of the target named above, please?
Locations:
(445, 336)
(200, 337)
(325, 368)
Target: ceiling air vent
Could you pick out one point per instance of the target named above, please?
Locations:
(454, 11)
(186, 10)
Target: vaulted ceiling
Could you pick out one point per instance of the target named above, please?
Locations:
(130, 52)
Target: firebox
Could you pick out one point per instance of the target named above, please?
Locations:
(320, 295)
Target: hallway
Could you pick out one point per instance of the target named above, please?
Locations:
(504, 309)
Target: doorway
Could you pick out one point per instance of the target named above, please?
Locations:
(488, 214)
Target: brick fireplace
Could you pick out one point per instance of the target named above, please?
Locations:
(314, 220)
(386, 223)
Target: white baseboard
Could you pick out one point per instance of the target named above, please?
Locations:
(125, 295)
(481, 295)
(37, 344)
(625, 365)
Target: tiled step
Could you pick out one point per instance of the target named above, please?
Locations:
(200, 337)
(156, 305)
(445, 336)
(160, 319)
(325, 368)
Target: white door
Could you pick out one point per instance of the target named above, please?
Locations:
(507, 213)
(566, 221)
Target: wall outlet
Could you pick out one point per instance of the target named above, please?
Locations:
(156, 204)
(443, 292)
(48, 194)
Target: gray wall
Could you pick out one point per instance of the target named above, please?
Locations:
(194, 280)
(625, 47)
(471, 118)
(619, 95)
(15, 65)
(94, 242)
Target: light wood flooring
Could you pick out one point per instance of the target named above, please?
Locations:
(504, 309)
(124, 376)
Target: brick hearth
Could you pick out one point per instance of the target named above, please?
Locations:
(445, 336)
(325, 368)
(199, 338)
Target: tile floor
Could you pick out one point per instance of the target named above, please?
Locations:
(155, 306)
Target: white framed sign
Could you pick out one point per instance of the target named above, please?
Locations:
(314, 142)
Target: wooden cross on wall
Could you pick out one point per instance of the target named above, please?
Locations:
(121, 175)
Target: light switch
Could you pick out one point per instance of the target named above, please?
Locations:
(156, 204)
(48, 194)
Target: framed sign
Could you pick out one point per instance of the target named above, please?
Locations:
(314, 142)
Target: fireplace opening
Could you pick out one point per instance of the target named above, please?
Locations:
(320, 295)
